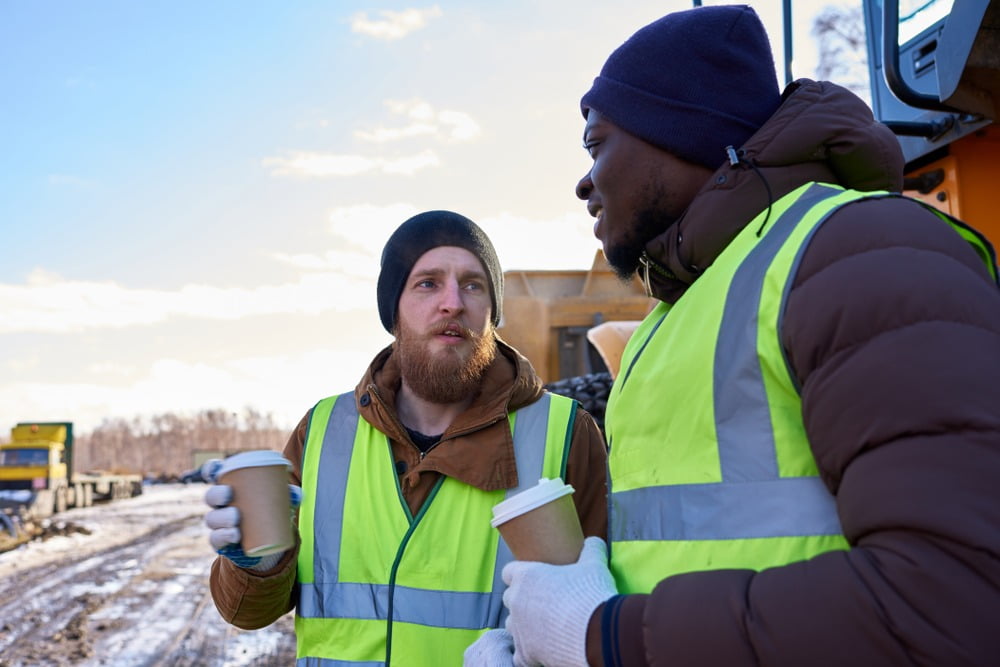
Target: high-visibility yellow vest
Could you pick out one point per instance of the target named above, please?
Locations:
(365, 559)
(710, 464)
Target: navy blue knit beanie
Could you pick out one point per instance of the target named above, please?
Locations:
(421, 233)
(691, 83)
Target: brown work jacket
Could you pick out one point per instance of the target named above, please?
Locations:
(477, 449)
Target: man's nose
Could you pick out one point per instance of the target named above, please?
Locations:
(451, 297)
(584, 187)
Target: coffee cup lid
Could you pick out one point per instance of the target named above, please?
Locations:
(544, 492)
(254, 459)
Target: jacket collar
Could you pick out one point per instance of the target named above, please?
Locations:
(821, 132)
(478, 448)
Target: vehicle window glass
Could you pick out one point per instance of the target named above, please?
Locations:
(915, 16)
(24, 457)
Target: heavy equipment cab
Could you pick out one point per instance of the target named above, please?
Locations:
(934, 68)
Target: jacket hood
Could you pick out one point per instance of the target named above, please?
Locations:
(821, 132)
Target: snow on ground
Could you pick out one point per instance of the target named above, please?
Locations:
(110, 524)
(134, 591)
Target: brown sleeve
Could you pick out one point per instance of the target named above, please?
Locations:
(625, 634)
(249, 599)
(586, 472)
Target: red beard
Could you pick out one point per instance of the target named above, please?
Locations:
(445, 376)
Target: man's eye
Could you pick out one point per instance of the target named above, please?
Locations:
(590, 146)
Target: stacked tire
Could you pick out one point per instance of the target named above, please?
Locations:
(591, 391)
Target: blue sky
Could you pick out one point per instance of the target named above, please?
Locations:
(195, 195)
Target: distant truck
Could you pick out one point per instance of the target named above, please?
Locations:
(38, 479)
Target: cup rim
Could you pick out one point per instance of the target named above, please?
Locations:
(545, 491)
(252, 459)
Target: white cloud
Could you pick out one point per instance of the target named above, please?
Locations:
(351, 263)
(49, 303)
(393, 25)
(369, 226)
(318, 165)
(409, 165)
(75, 306)
(360, 232)
(381, 135)
(23, 364)
(173, 385)
(463, 128)
(111, 369)
(563, 242)
(41, 277)
(448, 125)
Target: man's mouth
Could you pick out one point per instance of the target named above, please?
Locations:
(452, 331)
(598, 214)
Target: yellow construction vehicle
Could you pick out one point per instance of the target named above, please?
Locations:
(37, 476)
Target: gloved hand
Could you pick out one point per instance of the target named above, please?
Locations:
(224, 520)
(550, 606)
(494, 649)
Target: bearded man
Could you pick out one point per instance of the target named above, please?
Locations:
(395, 555)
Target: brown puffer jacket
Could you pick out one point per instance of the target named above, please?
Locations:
(477, 449)
(892, 329)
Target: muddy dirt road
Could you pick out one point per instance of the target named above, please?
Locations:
(132, 592)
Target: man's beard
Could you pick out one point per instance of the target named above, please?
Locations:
(646, 224)
(445, 377)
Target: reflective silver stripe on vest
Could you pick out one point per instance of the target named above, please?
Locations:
(788, 507)
(447, 609)
(752, 500)
(335, 463)
(530, 442)
(326, 662)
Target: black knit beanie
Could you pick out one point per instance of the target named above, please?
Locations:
(691, 82)
(421, 233)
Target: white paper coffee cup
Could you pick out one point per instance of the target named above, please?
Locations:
(259, 480)
(541, 523)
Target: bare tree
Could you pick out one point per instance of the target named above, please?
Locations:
(165, 445)
(843, 55)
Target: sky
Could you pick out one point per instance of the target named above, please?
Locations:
(194, 195)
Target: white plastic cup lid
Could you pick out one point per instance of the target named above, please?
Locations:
(544, 492)
(254, 459)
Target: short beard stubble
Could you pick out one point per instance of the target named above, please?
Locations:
(646, 224)
(446, 377)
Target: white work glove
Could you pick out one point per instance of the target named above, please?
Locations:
(224, 520)
(551, 605)
(494, 649)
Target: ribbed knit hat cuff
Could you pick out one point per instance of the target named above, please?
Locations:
(691, 132)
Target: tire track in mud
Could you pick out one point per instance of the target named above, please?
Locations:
(48, 611)
(142, 601)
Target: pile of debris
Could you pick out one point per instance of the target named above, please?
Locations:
(15, 529)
